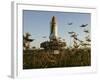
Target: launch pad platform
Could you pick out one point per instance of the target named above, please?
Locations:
(53, 45)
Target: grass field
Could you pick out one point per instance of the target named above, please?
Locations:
(35, 59)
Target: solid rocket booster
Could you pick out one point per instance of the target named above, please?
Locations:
(53, 29)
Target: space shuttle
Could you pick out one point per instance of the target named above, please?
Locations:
(53, 29)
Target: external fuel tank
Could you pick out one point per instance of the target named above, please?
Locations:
(53, 29)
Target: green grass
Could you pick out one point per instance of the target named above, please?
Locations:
(34, 59)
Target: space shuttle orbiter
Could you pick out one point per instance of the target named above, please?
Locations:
(53, 29)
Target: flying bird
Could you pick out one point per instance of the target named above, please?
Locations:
(74, 35)
(88, 40)
(71, 32)
(83, 25)
(70, 23)
(86, 31)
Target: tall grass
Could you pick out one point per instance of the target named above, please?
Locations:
(33, 59)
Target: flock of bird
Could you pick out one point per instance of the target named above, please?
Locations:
(73, 34)
(83, 25)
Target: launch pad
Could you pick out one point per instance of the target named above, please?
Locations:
(54, 43)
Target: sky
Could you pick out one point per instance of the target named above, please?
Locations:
(37, 23)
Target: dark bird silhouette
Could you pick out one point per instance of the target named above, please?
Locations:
(70, 23)
(83, 25)
(71, 32)
(88, 40)
(86, 31)
(74, 36)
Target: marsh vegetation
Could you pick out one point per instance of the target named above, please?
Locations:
(33, 59)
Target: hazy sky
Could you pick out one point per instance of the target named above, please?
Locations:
(37, 23)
